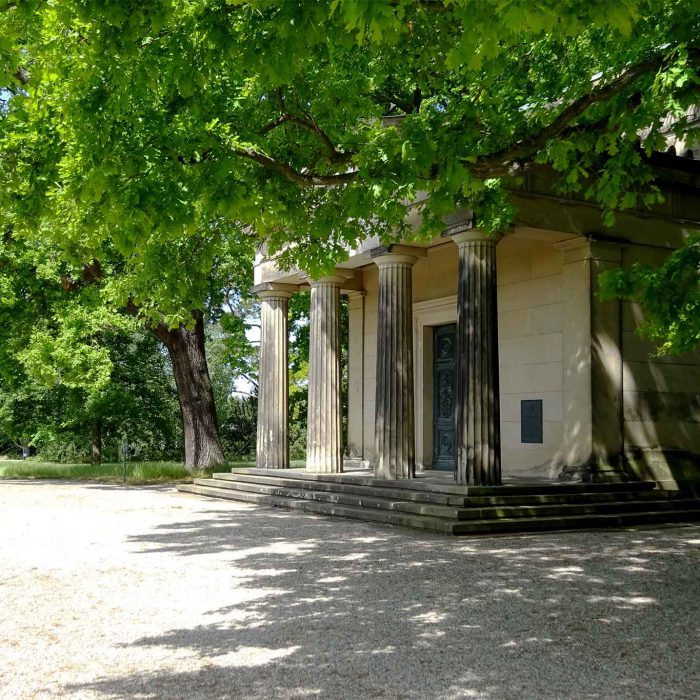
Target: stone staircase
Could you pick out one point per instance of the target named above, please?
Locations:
(441, 506)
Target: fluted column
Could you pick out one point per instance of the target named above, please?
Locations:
(394, 431)
(478, 404)
(324, 444)
(273, 386)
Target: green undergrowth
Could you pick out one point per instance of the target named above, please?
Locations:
(136, 472)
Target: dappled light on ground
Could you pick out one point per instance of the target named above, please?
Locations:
(183, 597)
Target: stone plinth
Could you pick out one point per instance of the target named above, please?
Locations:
(478, 404)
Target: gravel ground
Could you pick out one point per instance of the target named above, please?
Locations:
(142, 592)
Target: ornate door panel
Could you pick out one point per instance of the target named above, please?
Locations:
(444, 396)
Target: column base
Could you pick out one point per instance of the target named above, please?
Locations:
(593, 472)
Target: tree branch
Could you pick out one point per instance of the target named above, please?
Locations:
(404, 105)
(250, 379)
(293, 175)
(310, 125)
(429, 5)
(160, 330)
(517, 157)
(509, 160)
(22, 75)
(195, 159)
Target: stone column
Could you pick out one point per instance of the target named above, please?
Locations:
(356, 378)
(394, 430)
(478, 404)
(324, 448)
(273, 387)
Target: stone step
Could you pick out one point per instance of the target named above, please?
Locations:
(576, 522)
(407, 494)
(424, 484)
(471, 512)
(449, 525)
(421, 522)
(341, 487)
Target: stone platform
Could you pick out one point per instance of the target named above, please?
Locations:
(432, 501)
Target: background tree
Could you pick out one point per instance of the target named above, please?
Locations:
(61, 324)
(233, 363)
(73, 371)
(74, 424)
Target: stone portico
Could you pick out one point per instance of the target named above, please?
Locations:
(493, 357)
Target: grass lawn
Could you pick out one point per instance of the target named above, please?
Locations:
(136, 472)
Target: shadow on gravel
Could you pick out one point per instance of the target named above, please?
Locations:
(87, 484)
(336, 609)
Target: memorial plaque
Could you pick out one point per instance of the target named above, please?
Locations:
(531, 421)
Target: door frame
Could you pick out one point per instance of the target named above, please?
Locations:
(426, 315)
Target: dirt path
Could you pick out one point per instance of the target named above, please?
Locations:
(114, 592)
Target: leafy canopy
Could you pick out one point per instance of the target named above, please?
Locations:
(669, 295)
(150, 128)
(140, 122)
(68, 361)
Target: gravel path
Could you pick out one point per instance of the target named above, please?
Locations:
(121, 592)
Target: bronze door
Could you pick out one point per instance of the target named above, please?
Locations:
(444, 396)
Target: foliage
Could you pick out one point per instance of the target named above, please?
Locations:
(137, 404)
(231, 356)
(669, 295)
(136, 473)
(68, 361)
(140, 122)
(238, 427)
(165, 139)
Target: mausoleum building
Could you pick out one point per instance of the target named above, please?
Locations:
(493, 357)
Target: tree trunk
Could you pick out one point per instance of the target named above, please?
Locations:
(97, 441)
(194, 393)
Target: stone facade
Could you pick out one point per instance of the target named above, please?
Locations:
(551, 382)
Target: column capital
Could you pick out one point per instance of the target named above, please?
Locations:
(394, 259)
(327, 281)
(337, 278)
(274, 290)
(397, 255)
(394, 254)
(474, 235)
(356, 295)
(458, 221)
